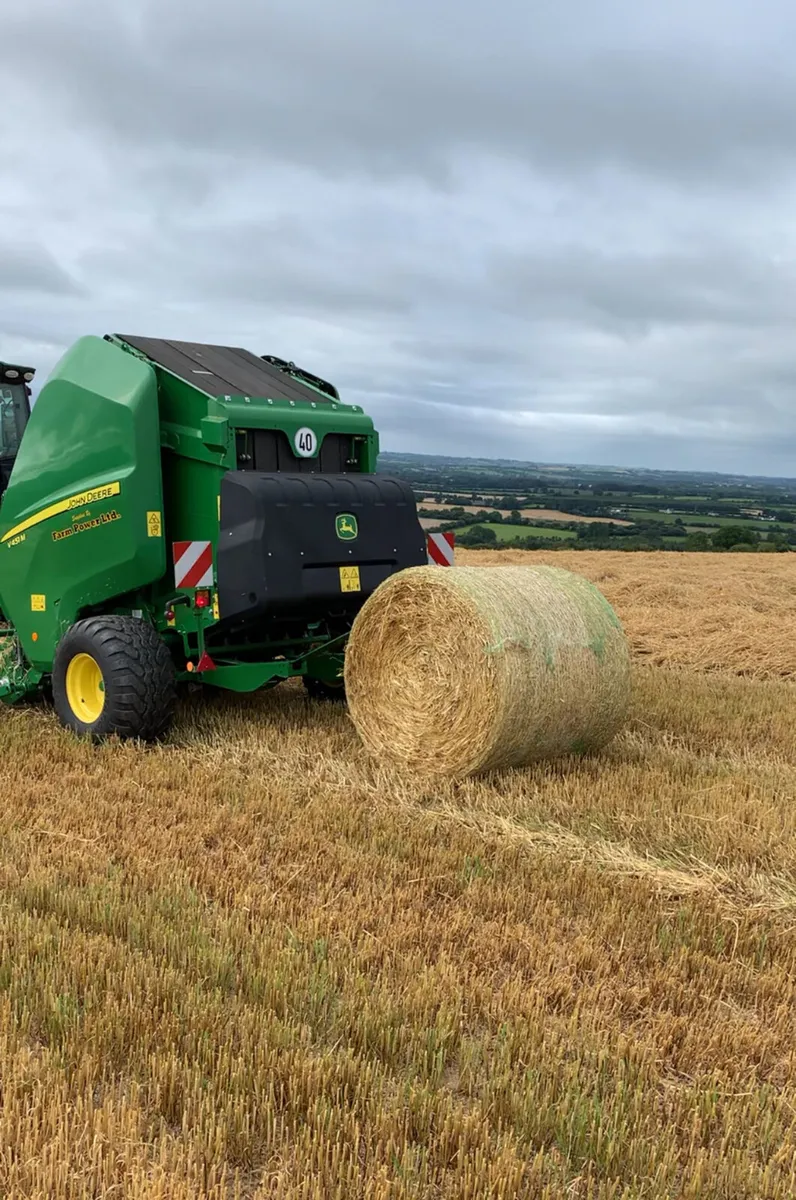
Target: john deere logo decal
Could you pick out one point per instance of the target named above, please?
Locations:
(346, 527)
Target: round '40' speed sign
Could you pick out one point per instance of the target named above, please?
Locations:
(305, 443)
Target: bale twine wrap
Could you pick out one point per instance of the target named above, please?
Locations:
(461, 670)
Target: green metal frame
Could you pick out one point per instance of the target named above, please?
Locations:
(16, 679)
(324, 663)
(120, 459)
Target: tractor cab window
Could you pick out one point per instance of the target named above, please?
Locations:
(13, 418)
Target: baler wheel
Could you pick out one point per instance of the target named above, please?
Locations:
(114, 675)
(317, 689)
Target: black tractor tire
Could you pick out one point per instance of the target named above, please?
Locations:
(318, 689)
(114, 675)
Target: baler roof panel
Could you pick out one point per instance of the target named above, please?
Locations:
(223, 370)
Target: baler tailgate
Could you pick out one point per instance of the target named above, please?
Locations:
(311, 544)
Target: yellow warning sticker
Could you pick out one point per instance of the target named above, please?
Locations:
(349, 579)
(38, 603)
(154, 524)
(215, 606)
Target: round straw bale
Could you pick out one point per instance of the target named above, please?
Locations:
(461, 670)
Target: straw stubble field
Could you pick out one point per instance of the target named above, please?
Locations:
(253, 964)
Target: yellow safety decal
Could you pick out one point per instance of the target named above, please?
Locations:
(154, 524)
(215, 606)
(349, 579)
(38, 603)
(62, 506)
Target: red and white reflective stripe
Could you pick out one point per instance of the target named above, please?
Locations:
(440, 548)
(193, 564)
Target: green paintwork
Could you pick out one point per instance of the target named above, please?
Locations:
(246, 677)
(16, 680)
(198, 435)
(324, 663)
(94, 425)
(252, 676)
(108, 416)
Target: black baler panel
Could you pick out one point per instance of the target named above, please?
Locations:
(278, 549)
(269, 450)
(224, 370)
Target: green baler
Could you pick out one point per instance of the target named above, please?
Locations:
(180, 511)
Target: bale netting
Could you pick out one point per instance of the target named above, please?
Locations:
(462, 670)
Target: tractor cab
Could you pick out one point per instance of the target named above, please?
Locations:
(14, 413)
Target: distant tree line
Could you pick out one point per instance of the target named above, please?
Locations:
(594, 504)
(487, 480)
(597, 535)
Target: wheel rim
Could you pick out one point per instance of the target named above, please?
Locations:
(85, 688)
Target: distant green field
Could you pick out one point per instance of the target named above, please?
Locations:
(749, 501)
(507, 533)
(700, 519)
(679, 543)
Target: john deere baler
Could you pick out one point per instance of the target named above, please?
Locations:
(180, 511)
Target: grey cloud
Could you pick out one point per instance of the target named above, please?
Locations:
(712, 285)
(556, 232)
(30, 269)
(400, 88)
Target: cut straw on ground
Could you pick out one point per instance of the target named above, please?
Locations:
(254, 963)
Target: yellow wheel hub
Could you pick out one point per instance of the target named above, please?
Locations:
(85, 689)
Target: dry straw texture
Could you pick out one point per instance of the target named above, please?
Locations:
(709, 612)
(462, 670)
(255, 965)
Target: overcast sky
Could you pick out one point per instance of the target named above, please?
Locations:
(561, 231)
